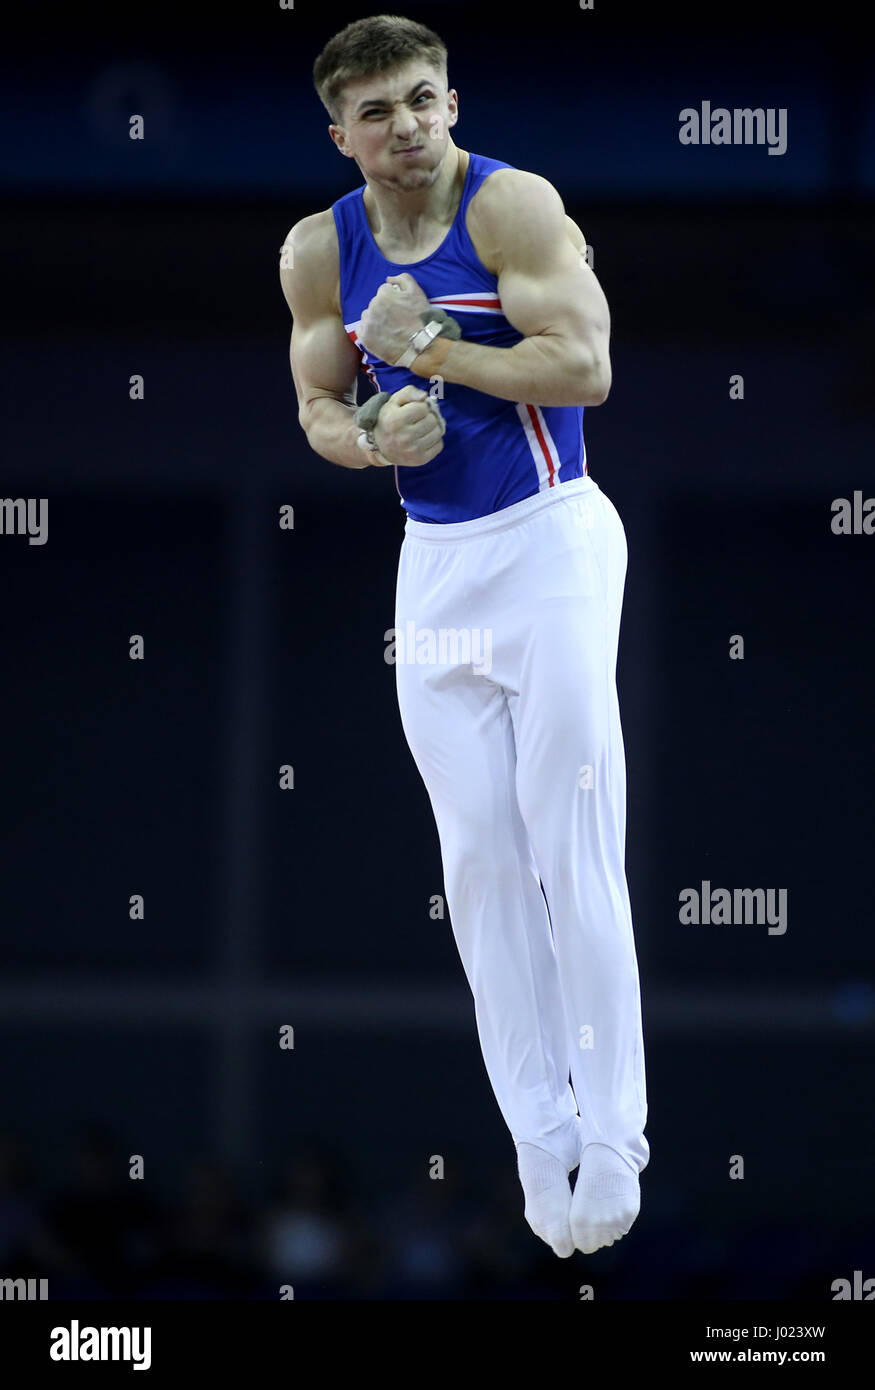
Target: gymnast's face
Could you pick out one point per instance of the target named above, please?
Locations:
(406, 109)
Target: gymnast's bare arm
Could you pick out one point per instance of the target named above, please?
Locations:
(324, 360)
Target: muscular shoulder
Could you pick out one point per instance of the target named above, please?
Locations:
(310, 258)
(515, 206)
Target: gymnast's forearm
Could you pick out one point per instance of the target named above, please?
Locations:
(544, 369)
(332, 432)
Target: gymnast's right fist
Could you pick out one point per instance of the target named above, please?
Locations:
(410, 428)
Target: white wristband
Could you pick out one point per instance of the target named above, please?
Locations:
(419, 341)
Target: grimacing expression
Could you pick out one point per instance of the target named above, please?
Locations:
(410, 109)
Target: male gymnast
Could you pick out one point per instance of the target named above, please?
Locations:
(461, 288)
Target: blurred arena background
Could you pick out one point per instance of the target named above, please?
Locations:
(312, 907)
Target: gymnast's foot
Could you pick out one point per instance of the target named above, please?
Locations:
(606, 1201)
(548, 1197)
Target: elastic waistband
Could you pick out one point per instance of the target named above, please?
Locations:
(439, 532)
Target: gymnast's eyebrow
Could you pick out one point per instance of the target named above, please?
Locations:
(379, 101)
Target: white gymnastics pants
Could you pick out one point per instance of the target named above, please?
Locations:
(506, 632)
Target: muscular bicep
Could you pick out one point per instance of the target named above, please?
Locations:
(323, 358)
(324, 361)
(545, 285)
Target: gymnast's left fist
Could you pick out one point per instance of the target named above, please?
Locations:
(393, 315)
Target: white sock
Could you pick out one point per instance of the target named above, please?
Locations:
(607, 1198)
(548, 1197)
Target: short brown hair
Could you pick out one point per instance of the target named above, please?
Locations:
(368, 48)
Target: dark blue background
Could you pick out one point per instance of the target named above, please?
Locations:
(265, 647)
